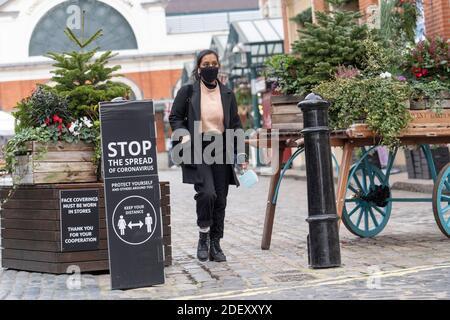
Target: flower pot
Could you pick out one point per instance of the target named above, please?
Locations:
(59, 162)
(285, 115)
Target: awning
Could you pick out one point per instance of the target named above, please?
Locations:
(188, 67)
(250, 43)
(218, 44)
(258, 31)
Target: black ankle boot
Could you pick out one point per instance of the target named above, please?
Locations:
(215, 252)
(203, 246)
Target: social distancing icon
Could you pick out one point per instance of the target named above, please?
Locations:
(149, 222)
(128, 219)
(122, 225)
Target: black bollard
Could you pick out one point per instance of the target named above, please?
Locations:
(323, 238)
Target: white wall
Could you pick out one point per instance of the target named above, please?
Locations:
(270, 8)
(147, 18)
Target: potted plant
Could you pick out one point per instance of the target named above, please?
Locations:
(334, 41)
(301, 18)
(57, 136)
(377, 101)
(427, 65)
(56, 148)
(432, 95)
(284, 72)
(50, 145)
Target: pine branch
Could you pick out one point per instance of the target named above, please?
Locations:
(72, 37)
(98, 34)
(84, 44)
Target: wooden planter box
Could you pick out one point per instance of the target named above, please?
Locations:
(425, 103)
(59, 162)
(284, 112)
(30, 222)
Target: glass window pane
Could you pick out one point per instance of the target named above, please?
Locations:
(266, 29)
(277, 25)
(250, 32)
(118, 34)
(278, 48)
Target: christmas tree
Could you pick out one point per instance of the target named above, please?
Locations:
(84, 80)
(334, 40)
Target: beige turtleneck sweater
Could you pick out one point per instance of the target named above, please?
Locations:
(211, 110)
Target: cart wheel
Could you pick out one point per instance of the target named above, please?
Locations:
(441, 200)
(367, 208)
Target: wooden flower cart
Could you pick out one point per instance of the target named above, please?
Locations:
(363, 195)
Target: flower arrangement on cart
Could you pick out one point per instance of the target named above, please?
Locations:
(381, 84)
(57, 136)
(373, 75)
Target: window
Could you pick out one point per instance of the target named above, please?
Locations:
(206, 22)
(48, 34)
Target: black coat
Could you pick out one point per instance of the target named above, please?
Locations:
(189, 107)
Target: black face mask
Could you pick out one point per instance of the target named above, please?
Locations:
(209, 74)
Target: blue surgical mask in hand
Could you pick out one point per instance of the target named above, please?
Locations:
(248, 178)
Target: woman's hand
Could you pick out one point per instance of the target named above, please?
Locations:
(243, 166)
(241, 161)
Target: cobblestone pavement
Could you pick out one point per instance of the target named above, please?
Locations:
(410, 259)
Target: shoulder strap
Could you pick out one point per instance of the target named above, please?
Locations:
(190, 89)
(189, 92)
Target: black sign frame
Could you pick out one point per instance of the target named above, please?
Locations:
(132, 194)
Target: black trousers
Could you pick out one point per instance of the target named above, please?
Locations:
(211, 196)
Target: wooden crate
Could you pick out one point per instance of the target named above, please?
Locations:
(424, 123)
(284, 112)
(30, 222)
(426, 104)
(59, 162)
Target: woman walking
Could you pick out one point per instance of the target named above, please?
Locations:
(204, 110)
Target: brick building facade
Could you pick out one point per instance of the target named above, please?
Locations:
(437, 15)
